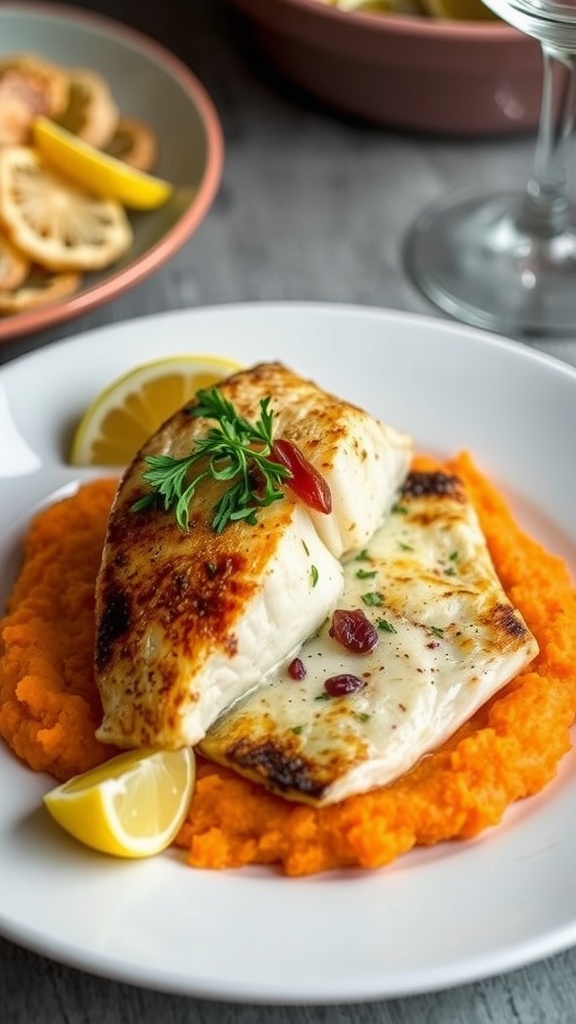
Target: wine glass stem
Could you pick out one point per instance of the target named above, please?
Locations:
(544, 212)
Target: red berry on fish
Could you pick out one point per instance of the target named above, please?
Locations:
(353, 630)
(343, 685)
(296, 669)
(307, 483)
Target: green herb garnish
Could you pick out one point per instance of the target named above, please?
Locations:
(314, 575)
(386, 626)
(372, 599)
(235, 451)
(364, 574)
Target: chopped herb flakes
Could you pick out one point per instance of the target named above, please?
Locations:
(436, 630)
(233, 450)
(365, 574)
(372, 599)
(386, 626)
(314, 575)
(363, 556)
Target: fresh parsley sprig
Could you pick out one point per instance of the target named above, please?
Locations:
(234, 451)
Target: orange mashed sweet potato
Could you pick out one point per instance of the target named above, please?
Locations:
(49, 708)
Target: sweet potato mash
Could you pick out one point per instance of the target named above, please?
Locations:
(49, 707)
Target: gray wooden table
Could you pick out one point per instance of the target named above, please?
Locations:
(312, 206)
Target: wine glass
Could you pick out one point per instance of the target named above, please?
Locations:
(507, 262)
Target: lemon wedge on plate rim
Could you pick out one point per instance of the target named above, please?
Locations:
(131, 806)
(97, 171)
(133, 406)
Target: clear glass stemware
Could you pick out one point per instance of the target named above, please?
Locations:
(507, 262)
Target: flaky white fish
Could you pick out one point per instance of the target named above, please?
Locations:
(447, 638)
(188, 622)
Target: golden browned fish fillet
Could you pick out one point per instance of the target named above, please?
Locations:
(445, 637)
(188, 622)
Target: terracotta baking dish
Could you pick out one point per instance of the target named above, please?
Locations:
(405, 71)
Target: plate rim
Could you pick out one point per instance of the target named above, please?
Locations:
(305, 306)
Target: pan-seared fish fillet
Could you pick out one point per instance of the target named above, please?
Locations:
(363, 460)
(187, 622)
(447, 639)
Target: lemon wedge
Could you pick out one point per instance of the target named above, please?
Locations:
(130, 409)
(97, 171)
(131, 806)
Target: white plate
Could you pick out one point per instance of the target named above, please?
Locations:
(435, 918)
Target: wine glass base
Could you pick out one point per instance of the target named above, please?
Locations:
(472, 259)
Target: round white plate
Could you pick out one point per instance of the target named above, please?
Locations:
(435, 918)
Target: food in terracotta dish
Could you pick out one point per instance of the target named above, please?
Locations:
(458, 10)
(71, 166)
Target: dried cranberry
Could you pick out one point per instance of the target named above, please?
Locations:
(341, 686)
(306, 482)
(353, 630)
(296, 669)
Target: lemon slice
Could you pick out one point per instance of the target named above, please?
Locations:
(55, 223)
(134, 143)
(91, 113)
(38, 289)
(29, 85)
(127, 412)
(14, 265)
(131, 806)
(101, 173)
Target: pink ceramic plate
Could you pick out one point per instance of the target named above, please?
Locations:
(148, 83)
